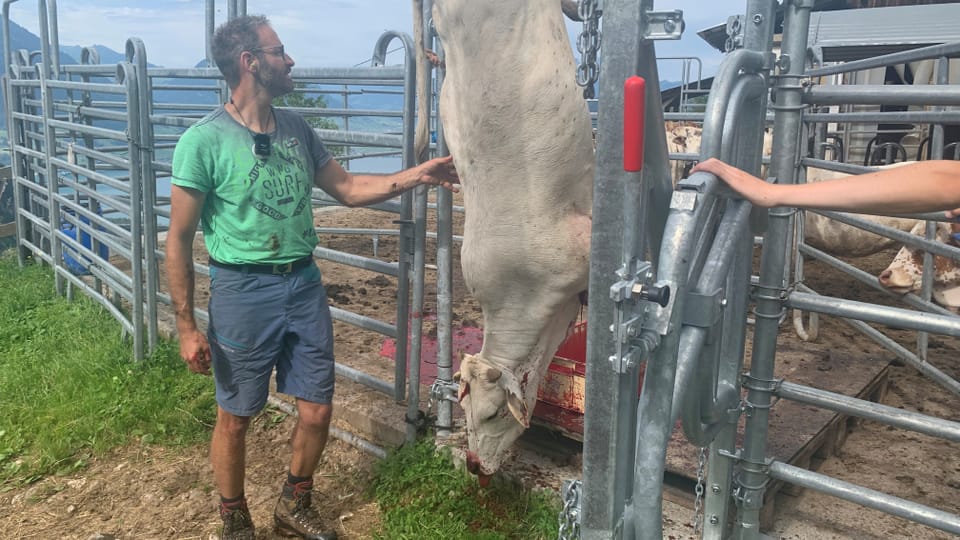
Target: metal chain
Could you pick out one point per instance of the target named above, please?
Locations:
(588, 45)
(698, 501)
(570, 514)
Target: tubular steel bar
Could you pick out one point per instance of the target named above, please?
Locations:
(864, 94)
(890, 316)
(866, 497)
(922, 53)
(885, 414)
(408, 235)
(445, 241)
(136, 53)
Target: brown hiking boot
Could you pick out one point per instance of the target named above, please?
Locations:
(294, 516)
(237, 524)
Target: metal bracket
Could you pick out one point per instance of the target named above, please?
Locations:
(659, 25)
(444, 390)
(763, 385)
(783, 63)
(703, 310)
(624, 364)
(634, 323)
(636, 282)
(735, 24)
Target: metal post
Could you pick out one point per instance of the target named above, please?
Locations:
(610, 398)
(137, 53)
(444, 258)
(771, 289)
(127, 75)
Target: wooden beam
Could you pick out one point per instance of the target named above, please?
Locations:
(8, 229)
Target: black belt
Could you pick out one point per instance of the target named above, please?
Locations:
(283, 268)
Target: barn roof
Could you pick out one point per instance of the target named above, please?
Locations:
(852, 34)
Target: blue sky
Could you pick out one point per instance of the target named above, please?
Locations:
(318, 33)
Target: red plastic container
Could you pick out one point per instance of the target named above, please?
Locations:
(560, 398)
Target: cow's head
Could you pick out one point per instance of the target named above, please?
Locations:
(904, 274)
(496, 412)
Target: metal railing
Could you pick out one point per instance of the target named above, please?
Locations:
(92, 148)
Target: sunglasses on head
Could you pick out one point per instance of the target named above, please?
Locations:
(261, 145)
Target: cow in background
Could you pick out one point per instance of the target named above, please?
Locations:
(685, 137)
(905, 272)
(519, 132)
(844, 240)
(841, 240)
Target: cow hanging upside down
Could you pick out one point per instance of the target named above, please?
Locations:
(519, 132)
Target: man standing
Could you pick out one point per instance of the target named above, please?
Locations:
(245, 173)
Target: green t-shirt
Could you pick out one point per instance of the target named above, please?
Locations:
(255, 211)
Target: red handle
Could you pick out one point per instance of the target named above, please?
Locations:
(634, 92)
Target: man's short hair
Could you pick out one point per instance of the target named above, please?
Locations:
(232, 38)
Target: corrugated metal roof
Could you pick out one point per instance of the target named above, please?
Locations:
(852, 34)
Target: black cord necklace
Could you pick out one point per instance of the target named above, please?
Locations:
(261, 141)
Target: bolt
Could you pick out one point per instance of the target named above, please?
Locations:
(669, 26)
(715, 488)
(757, 19)
(714, 520)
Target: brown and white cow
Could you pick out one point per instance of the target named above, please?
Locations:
(519, 132)
(904, 274)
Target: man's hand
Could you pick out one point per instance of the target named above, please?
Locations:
(195, 351)
(439, 172)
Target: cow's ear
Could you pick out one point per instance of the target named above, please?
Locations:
(467, 366)
(519, 409)
(515, 401)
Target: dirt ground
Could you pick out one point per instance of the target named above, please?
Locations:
(144, 492)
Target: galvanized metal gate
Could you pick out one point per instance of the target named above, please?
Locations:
(92, 147)
(693, 347)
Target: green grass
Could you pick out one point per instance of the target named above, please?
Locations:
(69, 390)
(422, 494)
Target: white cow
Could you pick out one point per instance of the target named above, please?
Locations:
(842, 240)
(845, 240)
(519, 132)
(904, 273)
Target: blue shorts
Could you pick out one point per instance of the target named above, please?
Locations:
(259, 322)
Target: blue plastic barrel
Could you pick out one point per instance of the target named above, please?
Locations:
(72, 264)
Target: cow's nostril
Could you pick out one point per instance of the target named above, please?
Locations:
(885, 277)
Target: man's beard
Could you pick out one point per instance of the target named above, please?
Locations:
(276, 83)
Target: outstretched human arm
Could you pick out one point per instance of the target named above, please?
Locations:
(185, 207)
(924, 186)
(365, 189)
